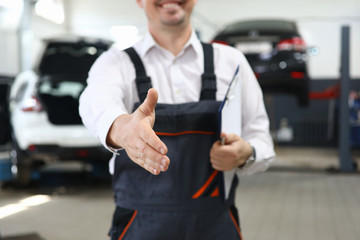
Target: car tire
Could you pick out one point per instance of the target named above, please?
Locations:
(20, 167)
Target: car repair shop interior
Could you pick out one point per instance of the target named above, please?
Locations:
(312, 189)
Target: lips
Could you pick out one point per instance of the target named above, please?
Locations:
(169, 4)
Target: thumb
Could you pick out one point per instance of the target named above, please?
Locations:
(229, 138)
(148, 106)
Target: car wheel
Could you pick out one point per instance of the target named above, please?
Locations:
(20, 167)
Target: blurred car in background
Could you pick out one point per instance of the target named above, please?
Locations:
(276, 52)
(44, 117)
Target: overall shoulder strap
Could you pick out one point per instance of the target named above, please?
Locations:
(143, 82)
(208, 78)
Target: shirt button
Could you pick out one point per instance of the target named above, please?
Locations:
(178, 91)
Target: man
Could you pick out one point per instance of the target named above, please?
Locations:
(168, 181)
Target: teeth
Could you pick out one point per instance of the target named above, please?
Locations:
(170, 5)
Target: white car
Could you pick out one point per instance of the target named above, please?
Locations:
(43, 104)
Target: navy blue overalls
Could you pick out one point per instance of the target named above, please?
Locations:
(185, 202)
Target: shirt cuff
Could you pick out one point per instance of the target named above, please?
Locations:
(265, 155)
(115, 150)
(104, 124)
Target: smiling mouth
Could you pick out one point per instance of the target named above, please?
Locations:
(169, 5)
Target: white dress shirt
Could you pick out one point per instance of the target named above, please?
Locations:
(111, 89)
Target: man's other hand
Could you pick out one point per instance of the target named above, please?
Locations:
(231, 155)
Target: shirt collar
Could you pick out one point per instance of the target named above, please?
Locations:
(149, 43)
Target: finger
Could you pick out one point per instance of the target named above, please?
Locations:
(148, 106)
(222, 155)
(140, 158)
(220, 166)
(147, 110)
(149, 137)
(148, 158)
(153, 159)
(219, 151)
(229, 138)
(223, 164)
(155, 167)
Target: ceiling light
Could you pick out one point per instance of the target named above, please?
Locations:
(52, 10)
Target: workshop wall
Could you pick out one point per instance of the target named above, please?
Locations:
(319, 22)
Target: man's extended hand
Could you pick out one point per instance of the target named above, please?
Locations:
(134, 133)
(231, 155)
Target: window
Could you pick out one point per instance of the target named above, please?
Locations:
(64, 88)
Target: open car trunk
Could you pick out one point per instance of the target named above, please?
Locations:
(59, 96)
(63, 70)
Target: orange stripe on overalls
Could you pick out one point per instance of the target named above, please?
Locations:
(128, 225)
(236, 225)
(207, 183)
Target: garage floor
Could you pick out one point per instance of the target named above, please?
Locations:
(300, 197)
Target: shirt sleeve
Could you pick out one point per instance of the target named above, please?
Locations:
(105, 98)
(255, 121)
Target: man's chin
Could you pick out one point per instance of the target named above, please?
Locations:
(173, 20)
